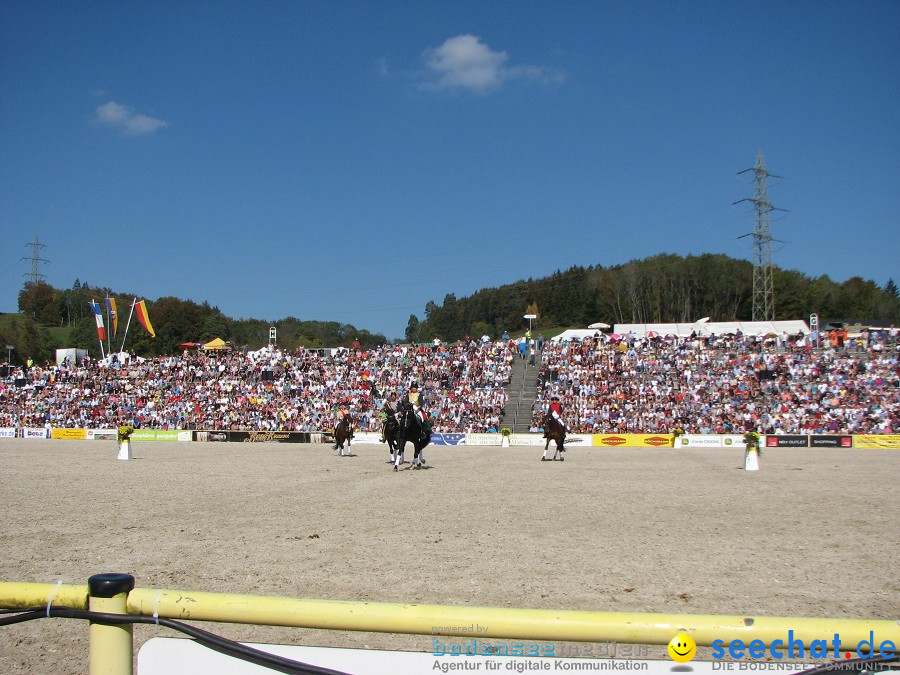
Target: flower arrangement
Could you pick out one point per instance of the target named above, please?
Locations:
(506, 431)
(676, 432)
(124, 432)
(751, 440)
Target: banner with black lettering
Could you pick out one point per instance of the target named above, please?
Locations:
(787, 441)
(831, 441)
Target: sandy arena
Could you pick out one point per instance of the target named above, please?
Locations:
(813, 533)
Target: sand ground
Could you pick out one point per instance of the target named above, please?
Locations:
(813, 533)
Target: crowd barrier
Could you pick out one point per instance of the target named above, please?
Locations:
(106, 597)
(863, 441)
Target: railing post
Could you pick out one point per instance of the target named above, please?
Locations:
(111, 645)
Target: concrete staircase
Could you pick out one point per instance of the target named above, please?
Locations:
(522, 392)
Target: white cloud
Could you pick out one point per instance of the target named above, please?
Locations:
(127, 120)
(465, 62)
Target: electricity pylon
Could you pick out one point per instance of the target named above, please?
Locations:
(763, 285)
(36, 261)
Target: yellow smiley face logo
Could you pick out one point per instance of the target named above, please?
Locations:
(682, 648)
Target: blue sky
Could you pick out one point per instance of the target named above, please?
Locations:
(350, 161)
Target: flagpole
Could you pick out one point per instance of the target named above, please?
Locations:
(133, 302)
(109, 324)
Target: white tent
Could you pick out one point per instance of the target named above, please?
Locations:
(686, 329)
(713, 328)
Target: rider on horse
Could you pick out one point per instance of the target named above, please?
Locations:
(555, 429)
(555, 411)
(389, 412)
(414, 403)
(343, 415)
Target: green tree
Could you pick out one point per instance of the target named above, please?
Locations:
(28, 339)
(38, 300)
(412, 328)
(480, 328)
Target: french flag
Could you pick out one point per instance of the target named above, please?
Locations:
(98, 315)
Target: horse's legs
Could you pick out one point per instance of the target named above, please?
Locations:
(398, 453)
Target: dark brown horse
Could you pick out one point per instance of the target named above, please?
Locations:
(343, 432)
(556, 432)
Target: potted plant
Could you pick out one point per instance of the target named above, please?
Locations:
(752, 451)
(505, 433)
(124, 435)
(676, 434)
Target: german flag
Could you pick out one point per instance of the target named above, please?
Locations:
(140, 309)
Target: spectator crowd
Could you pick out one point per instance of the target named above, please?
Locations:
(725, 384)
(464, 385)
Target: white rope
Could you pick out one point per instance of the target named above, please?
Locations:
(53, 593)
(156, 606)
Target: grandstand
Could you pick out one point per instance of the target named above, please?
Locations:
(635, 381)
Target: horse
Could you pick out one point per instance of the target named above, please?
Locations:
(556, 432)
(343, 432)
(389, 429)
(411, 429)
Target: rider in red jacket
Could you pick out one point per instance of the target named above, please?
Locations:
(555, 412)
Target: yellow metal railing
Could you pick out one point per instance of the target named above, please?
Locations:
(112, 645)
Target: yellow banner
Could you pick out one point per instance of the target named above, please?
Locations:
(68, 434)
(873, 441)
(653, 440)
(615, 440)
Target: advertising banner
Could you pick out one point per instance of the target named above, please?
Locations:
(483, 439)
(69, 434)
(211, 436)
(527, 439)
(367, 438)
(7, 432)
(101, 434)
(155, 435)
(877, 442)
(787, 441)
(612, 440)
(831, 441)
(578, 439)
(653, 440)
(234, 436)
(268, 436)
(696, 441)
(448, 439)
(33, 432)
(734, 441)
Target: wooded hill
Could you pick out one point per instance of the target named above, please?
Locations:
(663, 288)
(52, 318)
